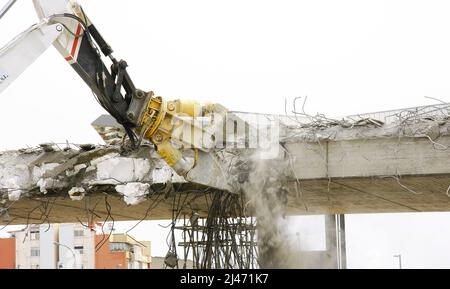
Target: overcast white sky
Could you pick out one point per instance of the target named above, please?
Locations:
(347, 56)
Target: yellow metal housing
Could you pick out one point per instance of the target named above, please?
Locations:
(159, 122)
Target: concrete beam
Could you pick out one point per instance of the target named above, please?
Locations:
(368, 168)
(370, 158)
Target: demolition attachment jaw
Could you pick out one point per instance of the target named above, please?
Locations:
(177, 128)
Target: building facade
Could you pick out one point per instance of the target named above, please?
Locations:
(76, 246)
(34, 248)
(8, 253)
(122, 252)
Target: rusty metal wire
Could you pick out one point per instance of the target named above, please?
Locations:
(221, 239)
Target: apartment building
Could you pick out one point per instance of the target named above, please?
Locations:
(72, 246)
(122, 252)
(34, 247)
(76, 246)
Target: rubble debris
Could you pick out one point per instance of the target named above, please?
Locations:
(87, 147)
(121, 170)
(134, 193)
(47, 147)
(77, 194)
(41, 171)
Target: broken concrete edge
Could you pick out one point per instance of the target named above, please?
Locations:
(40, 171)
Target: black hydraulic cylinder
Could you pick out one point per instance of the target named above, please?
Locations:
(104, 46)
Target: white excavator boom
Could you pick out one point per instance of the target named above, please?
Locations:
(29, 45)
(23, 50)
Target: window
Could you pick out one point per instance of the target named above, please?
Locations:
(79, 250)
(34, 235)
(35, 252)
(78, 233)
(114, 247)
(137, 251)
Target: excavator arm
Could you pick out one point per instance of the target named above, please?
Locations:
(64, 25)
(176, 128)
(82, 46)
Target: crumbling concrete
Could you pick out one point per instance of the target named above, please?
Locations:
(70, 178)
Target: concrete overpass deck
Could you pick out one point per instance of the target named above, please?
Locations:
(362, 165)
